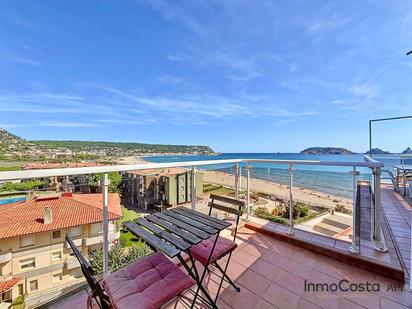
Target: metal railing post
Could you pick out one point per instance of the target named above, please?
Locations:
(193, 188)
(354, 247)
(248, 168)
(240, 177)
(377, 237)
(236, 172)
(105, 191)
(291, 170)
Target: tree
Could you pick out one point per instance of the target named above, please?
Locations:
(118, 257)
(115, 179)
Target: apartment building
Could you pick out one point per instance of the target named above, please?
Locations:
(35, 259)
(73, 183)
(148, 188)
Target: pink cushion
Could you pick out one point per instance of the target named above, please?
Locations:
(148, 283)
(201, 251)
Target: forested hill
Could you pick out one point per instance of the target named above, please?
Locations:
(110, 147)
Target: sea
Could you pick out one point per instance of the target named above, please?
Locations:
(335, 180)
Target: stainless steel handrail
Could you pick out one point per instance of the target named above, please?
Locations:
(40, 173)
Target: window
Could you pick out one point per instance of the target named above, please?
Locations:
(75, 231)
(34, 285)
(26, 241)
(27, 263)
(96, 228)
(57, 277)
(20, 289)
(112, 227)
(56, 234)
(6, 296)
(56, 256)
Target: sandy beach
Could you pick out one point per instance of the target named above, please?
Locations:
(131, 160)
(308, 196)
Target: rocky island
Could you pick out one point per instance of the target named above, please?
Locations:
(326, 151)
(407, 151)
(377, 151)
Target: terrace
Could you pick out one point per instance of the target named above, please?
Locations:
(275, 262)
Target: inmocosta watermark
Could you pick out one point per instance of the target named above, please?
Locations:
(343, 286)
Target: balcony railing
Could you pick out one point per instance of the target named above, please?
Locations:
(291, 165)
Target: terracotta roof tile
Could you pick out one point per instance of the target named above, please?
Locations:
(26, 218)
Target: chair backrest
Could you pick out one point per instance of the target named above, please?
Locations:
(89, 274)
(229, 205)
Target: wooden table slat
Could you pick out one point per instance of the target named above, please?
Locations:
(161, 233)
(191, 238)
(200, 214)
(218, 226)
(200, 233)
(191, 222)
(151, 239)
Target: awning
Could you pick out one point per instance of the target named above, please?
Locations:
(6, 285)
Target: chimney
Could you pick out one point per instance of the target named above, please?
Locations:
(48, 218)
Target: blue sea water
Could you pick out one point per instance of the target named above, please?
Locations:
(328, 179)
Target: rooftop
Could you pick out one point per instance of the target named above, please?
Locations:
(69, 210)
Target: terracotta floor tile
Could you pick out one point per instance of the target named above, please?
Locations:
(263, 304)
(255, 250)
(304, 257)
(290, 282)
(244, 258)
(281, 297)
(390, 304)
(305, 304)
(298, 269)
(368, 300)
(265, 269)
(275, 259)
(254, 282)
(346, 304)
(323, 299)
(235, 269)
(243, 299)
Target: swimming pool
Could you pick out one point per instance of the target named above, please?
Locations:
(12, 200)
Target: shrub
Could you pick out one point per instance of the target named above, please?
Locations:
(303, 211)
(18, 303)
(263, 213)
(118, 257)
(342, 209)
(295, 213)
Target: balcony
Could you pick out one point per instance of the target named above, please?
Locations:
(77, 241)
(71, 263)
(5, 256)
(274, 260)
(92, 240)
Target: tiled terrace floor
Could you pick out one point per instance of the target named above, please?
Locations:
(272, 274)
(397, 210)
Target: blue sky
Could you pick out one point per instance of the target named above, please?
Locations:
(240, 76)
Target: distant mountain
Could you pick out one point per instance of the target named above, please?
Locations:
(326, 151)
(376, 151)
(407, 151)
(13, 147)
(11, 144)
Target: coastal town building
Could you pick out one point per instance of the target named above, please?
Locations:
(35, 260)
(146, 189)
(73, 183)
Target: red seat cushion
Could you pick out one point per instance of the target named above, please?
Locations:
(201, 251)
(148, 283)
